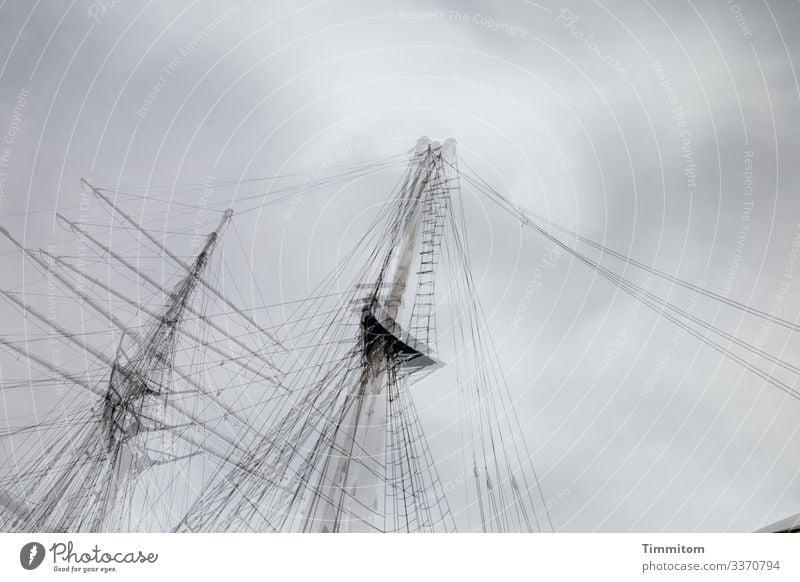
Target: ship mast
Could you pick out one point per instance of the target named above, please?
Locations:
(352, 496)
(134, 404)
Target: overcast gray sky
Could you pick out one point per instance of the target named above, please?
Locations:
(630, 122)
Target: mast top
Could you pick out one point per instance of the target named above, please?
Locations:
(446, 150)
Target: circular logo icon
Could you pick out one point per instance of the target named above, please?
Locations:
(31, 555)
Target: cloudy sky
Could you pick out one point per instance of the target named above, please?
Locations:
(632, 123)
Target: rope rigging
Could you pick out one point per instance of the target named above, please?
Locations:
(685, 320)
(182, 408)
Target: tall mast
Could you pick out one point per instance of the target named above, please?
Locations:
(135, 400)
(163, 248)
(139, 388)
(351, 496)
